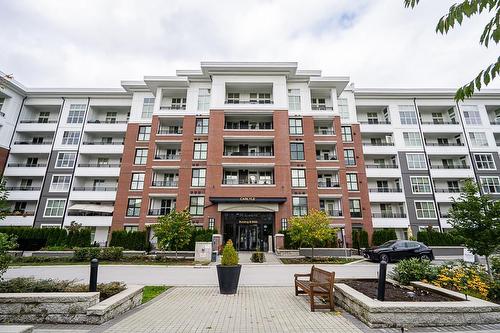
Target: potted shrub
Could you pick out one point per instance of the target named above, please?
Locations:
(228, 271)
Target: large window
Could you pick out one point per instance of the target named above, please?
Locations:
(355, 207)
(199, 177)
(76, 113)
(196, 205)
(148, 107)
(203, 99)
(200, 151)
(407, 115)
(420, 184)
(60, 183)
(201, 126)
(137, 182)
(471, 115)
(416, 161)
(412, 139)
(349, 157)
(478, 139)
(71, 137)
(144, 133)
(490, 184)
(298, 178)
(425, 210)
(65, 160)
(352, 182)
(134, 207)
(345, 117)
(295, 126)
(485, 161)
(294, 99)
(346, 133)
(141, 156)
(299, 206)
(296, 151)
(54, 208)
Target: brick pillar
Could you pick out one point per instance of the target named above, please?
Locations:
(216, 242)
(279, 241)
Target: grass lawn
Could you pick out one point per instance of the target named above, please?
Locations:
(151, 292)
(320, 260)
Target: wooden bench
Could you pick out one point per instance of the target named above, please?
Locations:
(320, 284)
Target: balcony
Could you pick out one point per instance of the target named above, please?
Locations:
(332, 212)
(162, 156)
(390, 220)
(109, 125)
(95, 169)
(451, 171)
(243, 181)
(89, 219)
(173, 107)
(382, 170)
(321, 107)
(23, 193)
(248, 177)
(324, 131)
(95, 193)
(23, 169)
(246, 123)
(171, 130)
(442, 148)
(379, 148)
(322, 183)
(383, 194)
(29, 147)
(19, 219)
(36, 125)
(102, 147)
(165, 183)
(159, 211)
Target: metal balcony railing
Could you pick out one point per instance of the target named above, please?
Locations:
(389, 215)
(321, 107)
(249, 153)
(356, 214)
(448, 190)
(37, 121)
(378, 143)
(326, 184)
(20, 213)
(113, 143)
(164, 183)
(334, 213)
(159, 211)
(236, 126)
(439, 122)
(70, 213)
(109, 121)
(96, 165)
(25, 165)
(95, 188)
(450, 166)
(327, 158)
(444, 144)
(251, 101)
(32, 143)
(384, 190)
(166, 131)
(173, 107)
(257, 182)
(23, 188)
(324, 132)
(382, 166)
(375, 122)
(167, 156)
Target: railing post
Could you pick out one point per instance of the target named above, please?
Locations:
(94, 265)
(381, 281)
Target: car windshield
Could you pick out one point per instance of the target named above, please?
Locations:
(388, 244)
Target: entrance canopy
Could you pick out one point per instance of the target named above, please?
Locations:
(92, 208)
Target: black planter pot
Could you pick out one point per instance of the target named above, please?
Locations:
(229, 277)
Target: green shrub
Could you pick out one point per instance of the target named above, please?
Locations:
(34, 239)
(111, 253)
(7, 242)
(414, 269)
(359, 239)
(381, 236)
(87, 253)
(229, 255)
(289, 243)
(258, 257)
(433, 238)
(130, 240)
(198, 235)
(78, 238)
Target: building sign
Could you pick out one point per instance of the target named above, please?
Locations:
(248, 221)
(247, 199)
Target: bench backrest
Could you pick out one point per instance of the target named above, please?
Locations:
(322, 276)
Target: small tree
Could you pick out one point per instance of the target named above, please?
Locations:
(4, 204)
(310, 229)
(7, 242)
(174, 230)
(229, 255)
(476, 219)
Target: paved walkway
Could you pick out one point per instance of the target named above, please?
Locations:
(253, 309)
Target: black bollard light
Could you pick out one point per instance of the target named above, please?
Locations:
(94, 265)
(381, 281)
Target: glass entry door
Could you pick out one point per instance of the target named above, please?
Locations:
(248, 237)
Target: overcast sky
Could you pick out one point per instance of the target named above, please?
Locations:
(378, 43)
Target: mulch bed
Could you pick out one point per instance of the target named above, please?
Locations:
(319, 260)
(394, 293)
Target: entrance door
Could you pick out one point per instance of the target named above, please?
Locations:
(248, 237)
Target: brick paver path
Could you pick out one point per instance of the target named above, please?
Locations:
(253, 309)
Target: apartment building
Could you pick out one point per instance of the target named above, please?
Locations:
(243, 147)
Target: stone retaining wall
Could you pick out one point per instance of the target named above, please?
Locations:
(66, 308)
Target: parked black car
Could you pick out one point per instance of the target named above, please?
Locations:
(395, 250)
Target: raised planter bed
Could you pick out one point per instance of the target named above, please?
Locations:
(53, 254)
(66, 308)
(453, 309)
(325, 252)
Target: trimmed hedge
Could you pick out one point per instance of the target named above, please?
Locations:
(33, 239)
(101, 253)
(198, 235)
(130, 240)
(359, 239)
(381, 236)
(434, 238)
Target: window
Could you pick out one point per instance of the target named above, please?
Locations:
(478, 139)
(412, 139)
(490, 184)
(60, 183)
(201, 126)
(294, 99)
(471, 115)
(420, 185)
(178, 103)
(343, 110)
(437, 118)
(299, 206)
(76, 113)
(137, 182)
(203, 99)
(43, 117)
(346, 133)
(349, 157)
(296, 151)
(295, 126)
(141, 156)
(372, 117)
(110, 118)
(407, 115)
(200, 151)
(416, 161)
(65, 160)
(425, 210)
(147, 107)
(198, 177)
(298, 178)
(131, 228)
(196, 205)
(355, 207)
(134, 207)
(485, 161)
(233, 98)
(352, 182)
(54, 208)
(71, 138)
(144, 133)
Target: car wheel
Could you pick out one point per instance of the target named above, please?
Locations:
(384, 257)
(425, 257)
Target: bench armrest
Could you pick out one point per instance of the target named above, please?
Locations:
(301, 275)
